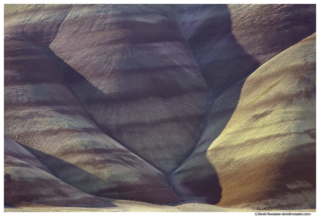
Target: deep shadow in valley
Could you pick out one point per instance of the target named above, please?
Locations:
(220, 76)
(227, 69)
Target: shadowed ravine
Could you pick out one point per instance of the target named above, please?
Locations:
(164, 104)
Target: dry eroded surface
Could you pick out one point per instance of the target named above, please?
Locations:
(159, 104)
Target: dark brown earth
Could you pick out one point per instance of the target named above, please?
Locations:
(164, 104)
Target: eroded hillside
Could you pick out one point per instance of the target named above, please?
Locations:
(161, 104)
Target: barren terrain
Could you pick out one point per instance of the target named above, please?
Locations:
(159, 107)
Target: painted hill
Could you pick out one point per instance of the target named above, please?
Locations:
(160, 103)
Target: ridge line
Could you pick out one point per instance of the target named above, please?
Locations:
(51, 54)
(206, 120)
(89, 116)
(72, 6)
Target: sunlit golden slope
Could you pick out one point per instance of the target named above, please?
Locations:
(265, 154)
(160, 103)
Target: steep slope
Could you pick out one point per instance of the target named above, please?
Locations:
(265, 155)
(13, 149)
(229, 42)
(42, 114)
(133, 73)
(27, 181)
(39, 22)
(139, 102)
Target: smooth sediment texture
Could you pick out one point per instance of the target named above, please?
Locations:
(42, 114)
(162, 104)
(229, 42)
(133, 73)
(13, 149)
(28, 181)
(264, 156)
